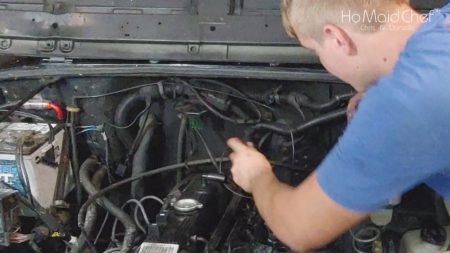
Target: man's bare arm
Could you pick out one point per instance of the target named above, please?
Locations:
(304, 217)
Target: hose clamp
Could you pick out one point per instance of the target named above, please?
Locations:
(161, 90)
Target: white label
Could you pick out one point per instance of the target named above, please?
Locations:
(158, 248)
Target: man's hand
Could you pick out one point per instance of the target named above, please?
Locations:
(311, 220)
(249, 165)
(353, 104)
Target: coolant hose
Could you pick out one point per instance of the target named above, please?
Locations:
(304, 101)
(122, 114)
(91, 215)
(142, 156)
(126, 107)
(340, 114)
(90, 165)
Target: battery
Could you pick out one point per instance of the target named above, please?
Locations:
(39, 170)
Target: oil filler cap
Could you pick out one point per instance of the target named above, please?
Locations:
(187, 205)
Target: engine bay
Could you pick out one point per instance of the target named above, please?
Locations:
(140, 164)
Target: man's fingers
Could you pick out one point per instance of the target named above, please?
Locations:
(250, 144)
(236, 144)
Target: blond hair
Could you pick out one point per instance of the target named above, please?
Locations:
(311, 15)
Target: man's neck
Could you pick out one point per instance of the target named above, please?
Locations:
(393, 37)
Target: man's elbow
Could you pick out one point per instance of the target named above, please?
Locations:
(302, 248)
(302, 244)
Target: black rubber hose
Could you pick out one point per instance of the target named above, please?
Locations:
(130, 227)
(142, 156)
(168, 168)
(122, 115)
(91, 215)
(299, 100)
(303, 127)
(329, 105)
(125, 108)
(114, 186)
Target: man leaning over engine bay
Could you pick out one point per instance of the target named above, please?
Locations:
(398, 137)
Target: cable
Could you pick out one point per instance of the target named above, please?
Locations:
(35, 117)
(226, 185)
(216, 112)
(108, 165)
(224, 85)
(304, 101)
(132, 123)
(26, 99)
(241, 97)
(8, 105)
(75, 161)
(138, 204)
(160, 170)
(51, 133)
(263, 140)
(151, 197)
(84, 127)
(101, 228)
(112, 250)
(88, 241)
(250, 100)
(26, 114)
(195, 239)
(305, 126)
(208, 150)
(235, 192)
(115, 185)
(115, 92)
(23, 174)
(87, 130)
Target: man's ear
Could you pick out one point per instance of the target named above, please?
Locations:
(340, 39)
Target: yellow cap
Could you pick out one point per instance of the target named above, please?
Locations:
(73, 109)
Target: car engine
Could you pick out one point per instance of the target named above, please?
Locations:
(140, 164)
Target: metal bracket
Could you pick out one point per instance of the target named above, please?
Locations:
(5, 44)
(193, 49)
(47, 45)
(66, 46)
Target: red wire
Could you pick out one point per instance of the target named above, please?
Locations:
(57, 109)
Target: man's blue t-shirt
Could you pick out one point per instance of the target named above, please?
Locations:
(400, 134)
